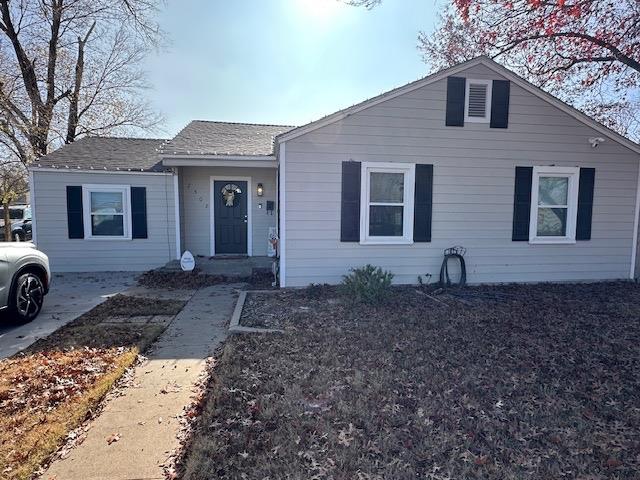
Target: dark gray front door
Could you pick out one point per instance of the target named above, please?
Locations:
(230, 216)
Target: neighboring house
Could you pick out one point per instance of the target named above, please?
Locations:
(472, 156)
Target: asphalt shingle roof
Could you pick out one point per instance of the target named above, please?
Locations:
(223, 138)
(106, 153)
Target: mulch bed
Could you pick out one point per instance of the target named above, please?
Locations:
(505, 382)
(179, 280)
(52, 386)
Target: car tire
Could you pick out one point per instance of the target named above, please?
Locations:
(17, 237)
(27, 297)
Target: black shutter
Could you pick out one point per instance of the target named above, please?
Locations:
(455, 101)
(138, 212)
(522, 204)
(500, 103)
(423, 203)
(350, 207)
(75, 221)
(585, 203)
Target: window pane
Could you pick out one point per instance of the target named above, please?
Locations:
(552, 222)
(387, 187)
(553, 191)
(16, 213)
(106, 202)
(107, 225)
(385, 221)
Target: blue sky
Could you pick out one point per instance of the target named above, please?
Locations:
(282, 61)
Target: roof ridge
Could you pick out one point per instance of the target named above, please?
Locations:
(114, 137)
(244, 123)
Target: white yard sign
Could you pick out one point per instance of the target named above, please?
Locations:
(187, 262)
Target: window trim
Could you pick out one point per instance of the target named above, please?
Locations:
(487, 112)
(409, 172)
(126, 206)
(573, 174)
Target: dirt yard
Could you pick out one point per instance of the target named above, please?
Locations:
(507, 382)
(51, 387)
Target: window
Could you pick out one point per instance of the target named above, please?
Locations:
(16, 213)
(387, 203)
(478, 101)
(106, 211)
(554, 205)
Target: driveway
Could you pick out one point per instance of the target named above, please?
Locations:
(71, 295)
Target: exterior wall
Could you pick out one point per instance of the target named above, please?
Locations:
(91, 255)
(473, 189)
(196, 213)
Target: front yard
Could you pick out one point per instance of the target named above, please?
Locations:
(50, 388)
(504, 382)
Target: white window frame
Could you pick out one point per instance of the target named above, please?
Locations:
(487, 112)
(86, 210)
(573, 174)
(409, 172)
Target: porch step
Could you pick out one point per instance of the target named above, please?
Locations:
(231, 267)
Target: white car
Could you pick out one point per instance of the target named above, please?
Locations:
(25, 278)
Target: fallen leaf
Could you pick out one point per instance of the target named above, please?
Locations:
(613, 463)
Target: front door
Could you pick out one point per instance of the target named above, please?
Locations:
(230, 216)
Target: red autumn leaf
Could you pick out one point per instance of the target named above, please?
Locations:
(613, 463)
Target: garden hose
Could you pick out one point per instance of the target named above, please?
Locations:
(449, 253)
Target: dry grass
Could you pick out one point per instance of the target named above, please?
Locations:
(53, 386)
(498, 383)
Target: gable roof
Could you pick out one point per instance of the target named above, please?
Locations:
(106, 153)
(202, 137)
(482, 60)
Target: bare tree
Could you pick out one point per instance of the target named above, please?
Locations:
(363, 3)
(70, 68)
(13, 184)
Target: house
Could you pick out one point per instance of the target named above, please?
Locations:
(473, 155)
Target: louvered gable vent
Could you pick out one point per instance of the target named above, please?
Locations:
(477, 100)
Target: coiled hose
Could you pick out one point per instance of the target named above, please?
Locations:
(449, 253)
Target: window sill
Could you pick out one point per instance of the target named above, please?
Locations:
(552, 241)
(476, 119)
(110, 239)
(402, 241)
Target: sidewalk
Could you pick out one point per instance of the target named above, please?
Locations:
(146, 417)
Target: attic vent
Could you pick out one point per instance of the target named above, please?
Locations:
(478, 100)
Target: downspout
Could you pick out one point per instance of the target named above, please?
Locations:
(282, 214)
(634, 247)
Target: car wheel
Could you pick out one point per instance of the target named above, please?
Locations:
(28, 297)
(17, 237)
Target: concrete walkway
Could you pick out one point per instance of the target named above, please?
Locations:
(71, 295)
(147, 416)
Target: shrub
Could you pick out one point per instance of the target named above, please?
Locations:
(367, 284)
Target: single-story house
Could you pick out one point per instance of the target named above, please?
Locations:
(473, 155)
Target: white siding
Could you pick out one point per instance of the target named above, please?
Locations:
(84, 255)
(474, 170)
(196, 213)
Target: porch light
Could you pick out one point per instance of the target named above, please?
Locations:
(260, 190)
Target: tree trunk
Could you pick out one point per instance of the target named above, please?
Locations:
(7, 224)
(72, 122)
